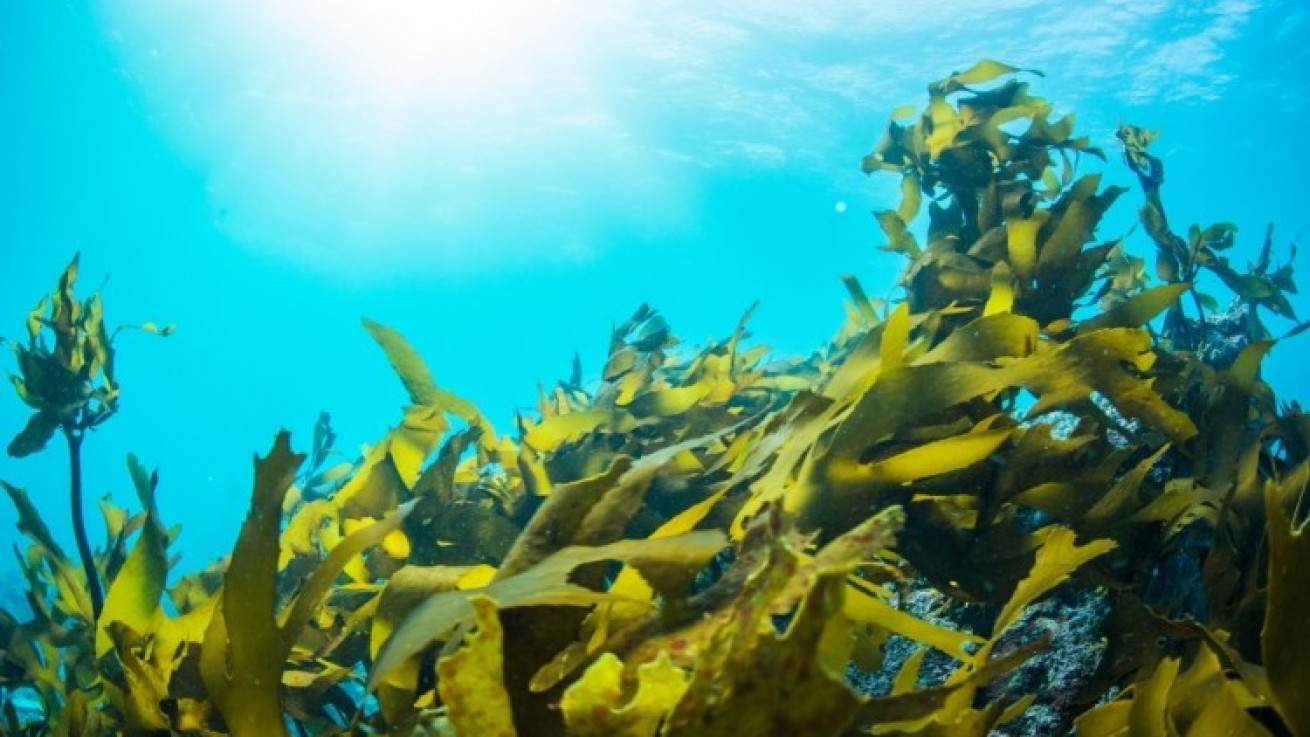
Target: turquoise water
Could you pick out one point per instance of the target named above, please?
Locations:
(503, 181)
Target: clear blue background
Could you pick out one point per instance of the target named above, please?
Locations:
(501, 181)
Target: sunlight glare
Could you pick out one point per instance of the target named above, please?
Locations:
(367, 139)
(408, 56)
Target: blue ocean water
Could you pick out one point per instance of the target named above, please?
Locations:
(502, 181)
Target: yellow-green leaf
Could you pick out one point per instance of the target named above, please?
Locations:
(552, 432)
(133, 596)
(1137, 310)
(984, 71)
(414, 373)
(895, 337)
(596, 704)
(1021, 239)
(1001, 299)
(1057, 558)
(242, 656)
(750, 681)
(471, 680)
(544, 584)
(930, 459)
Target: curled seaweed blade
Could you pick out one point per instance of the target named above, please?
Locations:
(471, 680)
(900, 398)
(320, 582)
(414, 439)
(404, 590)
(556, 523)
(596, 704)
(1021, 241)
(30, 522)
(911, 197)
(1199, 698)
(931, 459)
(308, 531)
(899, 238)
(1001, 299)
(634, 588)
(375, 487)
(550, 433)
(592, 510)
(863, 606)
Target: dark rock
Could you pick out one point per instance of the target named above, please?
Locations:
(1217, 340)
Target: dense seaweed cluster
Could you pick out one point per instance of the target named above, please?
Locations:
(709, 543)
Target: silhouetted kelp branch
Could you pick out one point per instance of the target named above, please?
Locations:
(1174, 262)
(1180, 260)
(703, 542)
(72, 388)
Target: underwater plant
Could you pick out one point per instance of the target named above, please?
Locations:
(1180, 261)
(71, 388)
(879, 538)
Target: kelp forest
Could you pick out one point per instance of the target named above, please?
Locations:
(1045, 492)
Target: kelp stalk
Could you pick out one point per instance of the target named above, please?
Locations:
(73, 433)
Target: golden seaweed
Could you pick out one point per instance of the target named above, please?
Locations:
(705, 540)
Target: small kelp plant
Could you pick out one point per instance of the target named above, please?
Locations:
(71, 389)
(890, 536)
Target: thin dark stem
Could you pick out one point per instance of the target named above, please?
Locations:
(1196, 297)
(74, 437)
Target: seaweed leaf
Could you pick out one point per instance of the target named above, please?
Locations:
(471, 680)
(1136, 310)
(133, 596)
(1057, 558)
(751, 681)
(598, 704)
(145, 687)
(414, 373)
(544, 584)
(242, 655)
(1285, 643)
(33, 437)
(245, 648)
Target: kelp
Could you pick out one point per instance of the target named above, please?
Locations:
(72, 389)
(1180, 260)
(709, 541)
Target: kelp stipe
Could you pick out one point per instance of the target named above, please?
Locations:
(72, 389)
